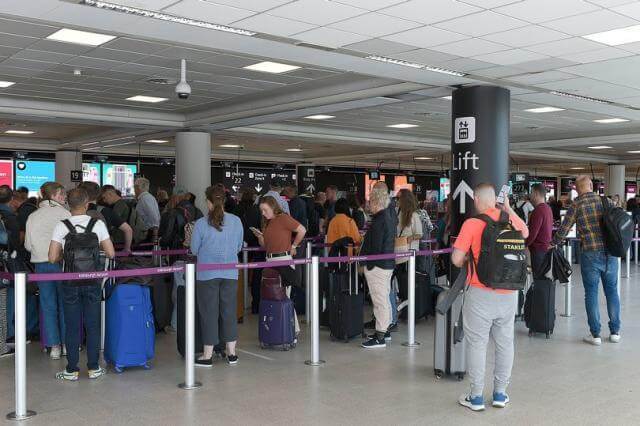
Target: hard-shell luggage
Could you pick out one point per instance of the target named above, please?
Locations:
(346, 307)
(277, 324)
(539, 307)
(425, 297)
(180, 332)
(129, 328)
(271, 287)
(449, 357)
(324, 276)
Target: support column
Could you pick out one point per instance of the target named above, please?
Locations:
(65, 162)
(193, 164)
(614, 180)
(479, 145)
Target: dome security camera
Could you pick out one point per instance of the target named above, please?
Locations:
(183, 89)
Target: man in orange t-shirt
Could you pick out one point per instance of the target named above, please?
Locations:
(487, 313)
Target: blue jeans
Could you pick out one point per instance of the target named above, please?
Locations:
(393, 299)
(82, 302)
(596, 266)
(32, 313)
(52, 305)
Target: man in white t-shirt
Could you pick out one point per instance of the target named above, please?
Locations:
(81, 300)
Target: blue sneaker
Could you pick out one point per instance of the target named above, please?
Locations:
(475, 403)
(500, 400)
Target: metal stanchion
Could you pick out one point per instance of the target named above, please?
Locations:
(245, 278)
(325, 253)
(628, 263)
(635, 247)
(307, 281)
(411, 318)
(157, 257)
(190, 323)
(20, 306)
(315, 315)
(619, 260)
(567, 286)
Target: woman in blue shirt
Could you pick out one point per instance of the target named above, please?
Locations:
(217, 238)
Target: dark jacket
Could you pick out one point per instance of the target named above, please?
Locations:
(298, 211)
(380, 239)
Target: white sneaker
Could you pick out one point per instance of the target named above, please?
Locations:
(474, 403)
(595, 341)
(55, 353)
(614, 338)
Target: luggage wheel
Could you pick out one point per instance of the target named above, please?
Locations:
(438, 374)
(118, 370)
(285, 348)
(460, 377)
(146, 366)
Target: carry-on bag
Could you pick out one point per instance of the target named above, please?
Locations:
(271, 287)
(181, 321)
(346, 305)
(129, 328)
(539, 307)
(449, 356)
(276, 327)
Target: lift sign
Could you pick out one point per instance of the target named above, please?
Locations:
(465, 130)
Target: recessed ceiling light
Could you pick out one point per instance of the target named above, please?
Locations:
(294, 150)
(164, 17)
(271, 67)
(579, 97)
(448, 98)
(600, 147)
(156, 141)
(80, 37)
(4, 84)
(576, 168)
(402, 126)
(229, 145)
(616, 37)
(422, 158)
(150, 99)
(19, 132)
(444, 71)
(415, 65)
(633, 152)
(610, 120)
(320, 117)
(544, 109)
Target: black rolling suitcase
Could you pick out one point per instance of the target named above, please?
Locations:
(180, 300)
(539, 307)
(346, 308)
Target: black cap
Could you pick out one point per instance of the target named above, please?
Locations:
(277, 182)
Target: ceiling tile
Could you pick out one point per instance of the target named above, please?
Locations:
(474, 46)
(145, 4)
(481, 23)
(324, 36)
(631, 9)
(318, 12)
(374, 24)
(83, 61)
(541, 77)
(489, 4)
(464, 64)
(210, 12)
(426, 37)
(566, 46)
(256, 6)
(429, 12)
(9, 51)
(16, 40)
(597, 55)
(592, 22)
(183, 53)
(545, 64)
(379, 47)
(623, 71)
(536, 11)
(38, 55)
(425, 56)
(275, 25)
(11, 26)
(498, 72)
(230, 60)
(590, 87)
(54, 46)
(526, 36)
(369, 4)
(32, 65)
(510, 57)
(114, 55)
(133, 45)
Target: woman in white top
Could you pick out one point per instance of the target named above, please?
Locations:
(38, 233)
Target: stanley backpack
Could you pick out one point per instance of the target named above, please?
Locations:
(81, 251)
(617, 227)
(502, 263)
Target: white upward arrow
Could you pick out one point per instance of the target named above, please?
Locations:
(311, 188)
(465, 190)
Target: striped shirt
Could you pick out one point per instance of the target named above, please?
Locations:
(586, 213)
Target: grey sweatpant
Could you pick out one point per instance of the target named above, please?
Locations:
(217, 303)
(487, 314)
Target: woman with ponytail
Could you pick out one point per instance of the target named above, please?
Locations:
(217, 238)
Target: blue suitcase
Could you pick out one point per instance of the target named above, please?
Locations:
(129, 327)
(277, 324)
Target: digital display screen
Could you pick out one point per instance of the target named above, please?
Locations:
(91, 172)
(6, 172)
(33, 174)
(445, 188)
(121, 176)
(402, 182)
(374, 175)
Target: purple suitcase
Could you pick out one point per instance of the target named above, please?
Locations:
(277, 327)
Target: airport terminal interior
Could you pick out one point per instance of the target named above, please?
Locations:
(399, 102)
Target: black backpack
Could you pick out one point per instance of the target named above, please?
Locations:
(81, 251)
(172, 224)
(617, 227)
(502, 263)
(313, 220)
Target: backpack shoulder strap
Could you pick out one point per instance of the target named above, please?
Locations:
(504, 217)
(485, 218)
(90, 225)
(70, 227)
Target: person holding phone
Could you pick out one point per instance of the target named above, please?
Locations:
(278, 231)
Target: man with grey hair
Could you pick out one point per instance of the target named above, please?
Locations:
(488, 313)
(147, 207)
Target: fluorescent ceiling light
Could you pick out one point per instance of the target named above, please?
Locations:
(616, 37)
(600, 147)
(610, 120)
(229, 145)
(544, 109)
(320, 117)
(19, 132)
(422, 158)
(633, 152)
(164, 17)
(294, 150)
(445, 71)
(4, 84)
(119, 144)
(86, 38)
(576, 168)
(415, 65)
(271, 67)
(402, 126)
(156, 141)
(580, 98)
(448, 98)
(150, 99)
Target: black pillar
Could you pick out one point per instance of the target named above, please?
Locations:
(479, 145)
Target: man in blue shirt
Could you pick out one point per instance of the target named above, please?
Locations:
(147, 206)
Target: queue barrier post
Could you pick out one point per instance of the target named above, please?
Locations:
(568, 285)
(307, 281)
(635, 246)
(190, 322)
(157, 257)
(411, 318)
(20, 305)
(245, 278)
(315, 315)
(628, 263)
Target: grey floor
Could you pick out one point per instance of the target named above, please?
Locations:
(556, 381)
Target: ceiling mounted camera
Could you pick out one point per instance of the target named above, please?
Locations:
(182, 88)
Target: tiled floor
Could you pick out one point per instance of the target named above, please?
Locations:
(560, 381)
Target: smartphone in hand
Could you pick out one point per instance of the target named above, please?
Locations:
(504, 192)
(255, 231)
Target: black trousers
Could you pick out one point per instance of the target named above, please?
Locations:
(540, 263)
